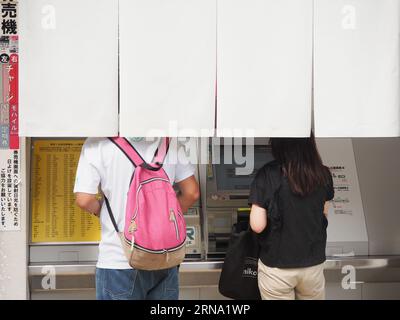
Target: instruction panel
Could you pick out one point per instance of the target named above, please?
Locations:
(346, 214)
(55, 216)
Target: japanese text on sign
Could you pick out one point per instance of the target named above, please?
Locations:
(55, 216)
(9, 92)
(9, 190)
(9, 17)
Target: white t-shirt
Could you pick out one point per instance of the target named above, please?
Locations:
(102, 164)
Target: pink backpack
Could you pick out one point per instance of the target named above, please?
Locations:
(155, 230)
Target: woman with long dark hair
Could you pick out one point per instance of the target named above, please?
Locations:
(289, 198)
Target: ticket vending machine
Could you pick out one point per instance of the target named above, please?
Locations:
(227, 194)
(227, 190)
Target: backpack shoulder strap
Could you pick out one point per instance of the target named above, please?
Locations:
(111, 214)
(161, 151)
(136, 159)
(129, 150)
(159, 156)
(134, 156)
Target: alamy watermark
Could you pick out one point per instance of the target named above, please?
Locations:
(49, 279)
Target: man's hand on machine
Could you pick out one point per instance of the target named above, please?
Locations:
(89, 202)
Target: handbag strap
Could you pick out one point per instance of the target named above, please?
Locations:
(276, 177)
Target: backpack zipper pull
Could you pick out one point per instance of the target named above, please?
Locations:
(172, 218)
(132, 229)
(171, 215)
(132, 241)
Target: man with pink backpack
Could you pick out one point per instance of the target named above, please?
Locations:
(143, 230)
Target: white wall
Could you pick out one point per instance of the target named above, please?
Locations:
(13, 248)
(378, 167)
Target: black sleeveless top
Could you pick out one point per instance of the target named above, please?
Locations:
(295, 236)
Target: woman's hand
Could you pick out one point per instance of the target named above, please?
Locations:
(258, 218)
(326, 209)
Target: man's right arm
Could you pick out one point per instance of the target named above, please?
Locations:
(87, 179)
(88, 202)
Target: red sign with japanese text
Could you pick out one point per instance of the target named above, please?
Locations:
(13, 103)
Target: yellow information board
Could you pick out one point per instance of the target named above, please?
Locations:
(55, 217)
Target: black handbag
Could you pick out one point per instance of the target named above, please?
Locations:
(239, 273)
(239, 276)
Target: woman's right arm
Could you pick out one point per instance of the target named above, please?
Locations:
(326, 208)
(258, 218)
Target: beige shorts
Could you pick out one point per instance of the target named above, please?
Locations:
(289, 284)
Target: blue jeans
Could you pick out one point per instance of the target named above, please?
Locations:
(131, 284)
